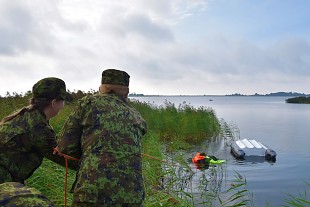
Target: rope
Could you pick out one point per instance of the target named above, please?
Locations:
(66, 182)
(155, 158)
(66, 157)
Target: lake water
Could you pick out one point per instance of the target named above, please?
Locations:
(281, 126)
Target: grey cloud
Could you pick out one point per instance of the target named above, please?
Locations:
(161, 70)
(16, 29)
(227, 61)
(291, 56)
(137, 25)
(148, 29)
(141, 39)
(243, 57)
(24, 28)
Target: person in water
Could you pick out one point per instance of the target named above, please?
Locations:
(202, 161)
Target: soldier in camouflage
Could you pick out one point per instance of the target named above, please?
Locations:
(105, 132)
(13, 194)
(26, 135)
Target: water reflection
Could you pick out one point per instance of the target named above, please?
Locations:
(199, 186)
(255, 159)
(201, 166)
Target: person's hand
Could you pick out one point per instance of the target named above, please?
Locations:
(57, 152)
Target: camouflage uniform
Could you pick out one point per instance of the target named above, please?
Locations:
(28, 137)
(106, 132)
(14, 194)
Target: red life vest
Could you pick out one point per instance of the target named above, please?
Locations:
(198, 157)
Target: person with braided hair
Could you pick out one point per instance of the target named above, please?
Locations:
(26, 136)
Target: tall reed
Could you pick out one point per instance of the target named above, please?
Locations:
(300, 200)
(179, 127)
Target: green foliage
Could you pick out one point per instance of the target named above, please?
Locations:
(11, 104)
(182, 127)
(300, 99)
(240, 194)
(301, 200)
(62, 116)
(155, 169)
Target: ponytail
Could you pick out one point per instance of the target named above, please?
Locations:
(39, 104)
(15, 114)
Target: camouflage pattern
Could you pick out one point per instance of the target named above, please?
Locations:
(49, 88)
(14, 194)
(113, 76)
(105, 132)
(24, 141)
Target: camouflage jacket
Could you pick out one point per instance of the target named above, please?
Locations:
(24, 141)
(105, 132)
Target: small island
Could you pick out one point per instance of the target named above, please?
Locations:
(299, 100)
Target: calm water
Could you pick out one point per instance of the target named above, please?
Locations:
(283, 127)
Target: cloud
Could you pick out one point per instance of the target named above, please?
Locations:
(24, 29)
(16, 29)
(168, 47)
(141, 26)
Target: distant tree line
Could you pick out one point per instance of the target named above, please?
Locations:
(300, 99)
(72, 95)
(273, 94)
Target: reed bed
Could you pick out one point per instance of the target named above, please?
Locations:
(179, 127)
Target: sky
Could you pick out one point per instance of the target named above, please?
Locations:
(168, 47)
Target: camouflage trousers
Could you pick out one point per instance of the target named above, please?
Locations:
(13, 194)
(5, 176)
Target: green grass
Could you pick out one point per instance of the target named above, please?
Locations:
(49, 180)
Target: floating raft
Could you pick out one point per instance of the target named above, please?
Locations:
(245, 147)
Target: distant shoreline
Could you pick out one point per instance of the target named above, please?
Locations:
(81, 93)
(285, 94)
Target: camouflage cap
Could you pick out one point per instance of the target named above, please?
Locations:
(113, 76)
(49, 88)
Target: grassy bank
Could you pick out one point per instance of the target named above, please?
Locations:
(170, 128)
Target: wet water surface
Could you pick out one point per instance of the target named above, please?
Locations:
(283, 127)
